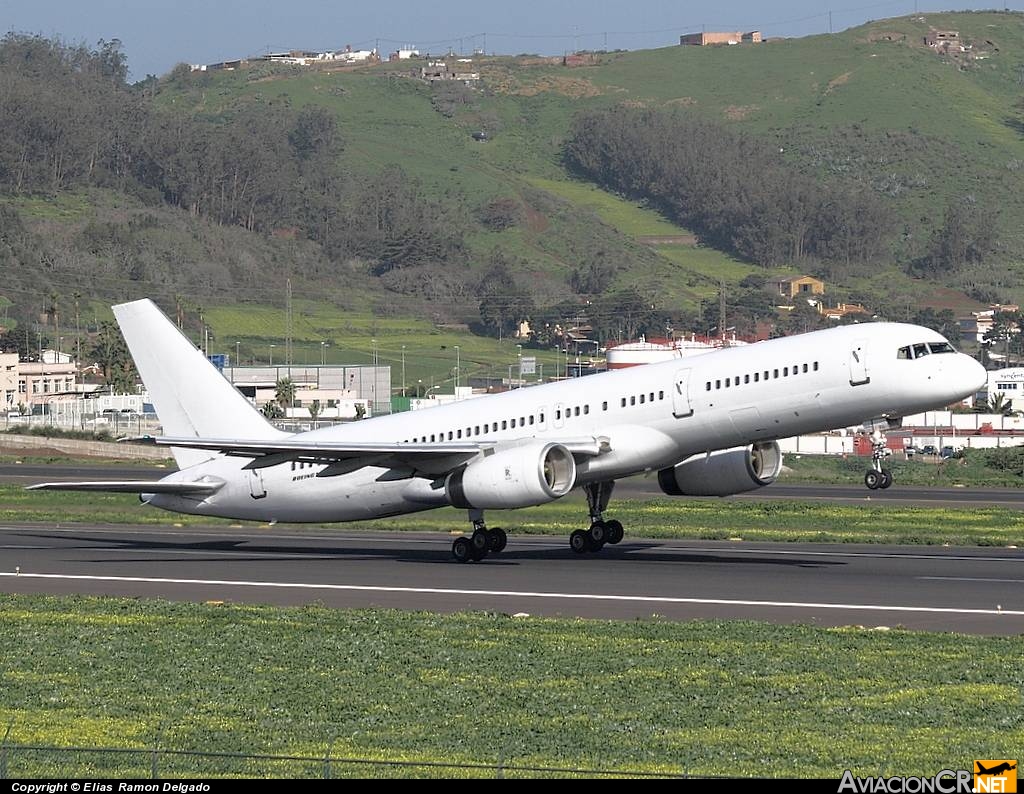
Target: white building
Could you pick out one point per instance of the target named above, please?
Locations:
(1008, 382)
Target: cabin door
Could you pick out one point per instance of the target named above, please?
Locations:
(859, 363)
(681, 405)
(256, 488)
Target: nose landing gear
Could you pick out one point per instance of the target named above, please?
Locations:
(878, 476)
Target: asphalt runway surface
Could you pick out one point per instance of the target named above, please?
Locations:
(975, 591)
(632, 488)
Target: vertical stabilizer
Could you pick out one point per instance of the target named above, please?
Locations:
(190, 396)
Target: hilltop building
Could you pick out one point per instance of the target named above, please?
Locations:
(731, 37)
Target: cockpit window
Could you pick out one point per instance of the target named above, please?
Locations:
(920, 350)
(903, 352)
(941, 347)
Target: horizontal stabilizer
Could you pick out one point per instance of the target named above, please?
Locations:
(132, 486)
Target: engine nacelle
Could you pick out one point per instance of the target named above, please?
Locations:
(724, 472)
(522, 476)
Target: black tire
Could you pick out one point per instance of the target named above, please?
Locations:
(462, 550)
(480, 539)
(872, 479)
(499, 540)
(598, 534)
(886, 479)
(480, 544)
(579, 541)
(615, 531)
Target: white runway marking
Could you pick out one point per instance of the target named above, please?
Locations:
(523, 594)
(969, 579)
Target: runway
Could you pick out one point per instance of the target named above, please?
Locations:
(631, 488)
(976, 590)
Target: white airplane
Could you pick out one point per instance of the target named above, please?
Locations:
(707, 425)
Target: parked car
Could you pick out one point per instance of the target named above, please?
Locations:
(950, 452)
(929, 449)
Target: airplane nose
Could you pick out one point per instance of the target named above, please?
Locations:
(974, 373)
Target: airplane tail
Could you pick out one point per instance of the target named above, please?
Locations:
(190, 396)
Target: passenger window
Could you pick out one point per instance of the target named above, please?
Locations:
(718, 384)
(449, 435)
(604, 406)
(757, 377)
(459, 434)
(785, 372)
(504, 424)
(431, 437)
(576, 411)
(776, 373)
(586, 409)
(727, 382)
(542, 419)
(558, 414)
(661, 395)
(623, 402)
(513, 422)
(746, 379)
(651, 397)
(632, 400)
(708, 386)
(815, 366)
(531, 419)
(476, 430)
(805, 368)
(642, 396)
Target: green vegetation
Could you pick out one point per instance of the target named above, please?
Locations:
(365, 188)
(995, 468)
(701, 698)
(710, 519)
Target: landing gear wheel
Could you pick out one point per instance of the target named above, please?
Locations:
(886, 480)
(598, 535)
(498, 539)
(614, 531)
(579, 541)
(481, 543)
(462, 550)
(873, 479)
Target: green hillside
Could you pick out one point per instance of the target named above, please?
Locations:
(870, 107)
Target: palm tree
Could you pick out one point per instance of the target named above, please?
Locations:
(998, 404)
(284, 393)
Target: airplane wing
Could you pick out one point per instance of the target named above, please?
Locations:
(273, 452)
(132, 486)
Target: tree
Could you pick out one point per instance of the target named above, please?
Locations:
(284, 392)
(503, 303)
(111, 354)
(271, 410)
(998, 404)
(314, 409)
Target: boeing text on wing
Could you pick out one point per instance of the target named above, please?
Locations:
(707, 425)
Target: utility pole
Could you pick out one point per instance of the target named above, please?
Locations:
(288, 324)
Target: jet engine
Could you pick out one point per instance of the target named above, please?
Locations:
(724, 472)
(520, 476)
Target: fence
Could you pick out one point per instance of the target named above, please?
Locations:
(51, 761)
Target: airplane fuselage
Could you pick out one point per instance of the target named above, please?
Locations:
(645, 418)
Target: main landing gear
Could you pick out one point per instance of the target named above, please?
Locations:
(600, 531)
(877, 476)
(482, 542)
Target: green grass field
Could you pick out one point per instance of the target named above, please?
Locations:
(709, 519)
(738, 699)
